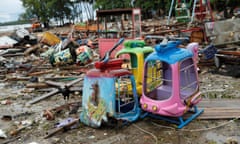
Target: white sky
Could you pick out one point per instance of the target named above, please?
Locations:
(10, 10)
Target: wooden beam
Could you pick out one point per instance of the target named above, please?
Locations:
(219, 109)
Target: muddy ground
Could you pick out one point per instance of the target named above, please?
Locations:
(215, 84)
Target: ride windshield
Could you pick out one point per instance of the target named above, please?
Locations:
(124, 94)
(161, 87)
(158, 80)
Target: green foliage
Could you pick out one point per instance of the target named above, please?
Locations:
(62, 10)
(147, 7)
(44, 10)
(105, 4)
(14, 22)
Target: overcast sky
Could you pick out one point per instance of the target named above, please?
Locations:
(10, 10)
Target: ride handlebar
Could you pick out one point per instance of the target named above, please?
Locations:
(108, 53)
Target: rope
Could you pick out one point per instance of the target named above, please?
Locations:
(155, 137)
(198, 130)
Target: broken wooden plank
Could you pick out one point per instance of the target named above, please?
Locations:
(18, 78)
(40, 73)
(37, 85)
(210, 114)
(235, 53)
(65, 127)
(43, 97)
(219, 109)
(12, 55)
(29, 50)
(226, 103)
(60, 88)
(12, 139)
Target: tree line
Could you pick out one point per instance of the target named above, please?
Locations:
(70, 11)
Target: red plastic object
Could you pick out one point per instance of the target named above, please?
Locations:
(110, 65)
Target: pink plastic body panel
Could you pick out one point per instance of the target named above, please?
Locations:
(173, 106)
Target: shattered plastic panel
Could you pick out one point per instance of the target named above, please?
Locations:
(221, 32)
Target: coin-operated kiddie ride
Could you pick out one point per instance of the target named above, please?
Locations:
(106, 93)
(176, 91)
(136, 51)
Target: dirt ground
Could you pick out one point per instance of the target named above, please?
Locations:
(14, 111)
(215, 84)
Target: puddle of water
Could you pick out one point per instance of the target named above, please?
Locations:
(220, 139)
(7, 90)
(2, 85)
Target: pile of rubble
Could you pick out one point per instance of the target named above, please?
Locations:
(41, 63)
(22, 50)
(54, 62)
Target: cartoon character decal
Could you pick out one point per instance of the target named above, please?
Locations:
(95, 94)
(95, 107)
